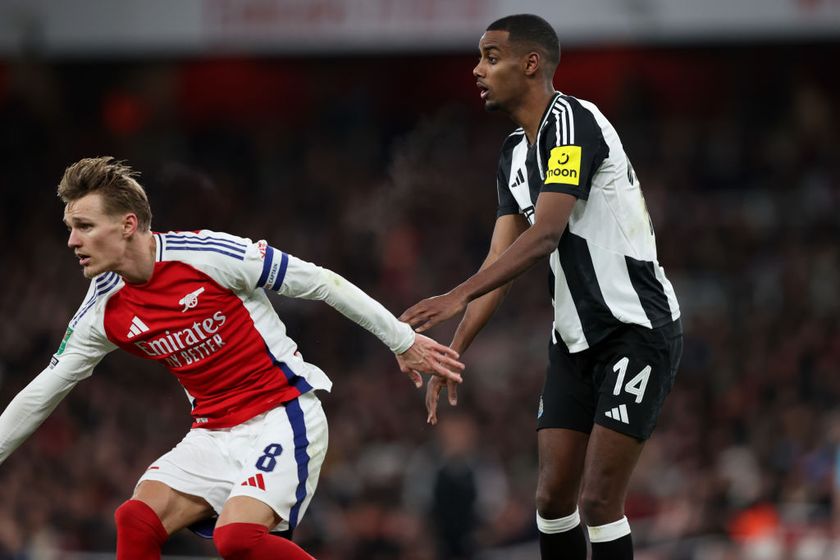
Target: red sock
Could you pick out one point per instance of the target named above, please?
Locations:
(140, 533)
(251, 541)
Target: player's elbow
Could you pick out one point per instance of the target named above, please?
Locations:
(322, 284)
(547, 241)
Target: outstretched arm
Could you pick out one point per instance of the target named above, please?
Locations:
(551, 216)
(30, 408)
(415, 353)
(507, 229)
(514, 249)
(83, 346)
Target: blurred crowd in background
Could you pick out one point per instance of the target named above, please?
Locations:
(383, 169)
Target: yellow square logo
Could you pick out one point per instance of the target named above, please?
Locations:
(564, 166)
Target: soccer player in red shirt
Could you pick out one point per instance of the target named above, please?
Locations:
(196, 302)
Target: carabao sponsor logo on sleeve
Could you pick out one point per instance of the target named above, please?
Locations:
(67, 334)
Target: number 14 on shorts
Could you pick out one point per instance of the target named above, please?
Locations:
(636, 386)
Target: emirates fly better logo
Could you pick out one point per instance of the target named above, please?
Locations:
(185, 346)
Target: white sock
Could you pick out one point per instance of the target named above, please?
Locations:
(561, 525)
(609, 532)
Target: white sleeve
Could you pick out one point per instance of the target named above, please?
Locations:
(307, 281)
(83, 346)
(246, 266)
(30, 408)
(85, 342)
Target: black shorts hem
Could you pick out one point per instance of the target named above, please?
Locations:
(624, 429)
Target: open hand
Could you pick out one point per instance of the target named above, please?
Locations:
(431, 311)
(429, 356)
(433, 389)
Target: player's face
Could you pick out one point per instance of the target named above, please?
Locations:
(96, 237)
(498, 74)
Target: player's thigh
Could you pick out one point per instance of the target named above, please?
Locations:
(564, 420)
(244, 509)
(610, 460)
(200, 469)
(569, 395)
(633, 375)
(175, 509)
(562, 454)
(280, 465)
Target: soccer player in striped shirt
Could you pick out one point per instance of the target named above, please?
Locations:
(567, 192)
(195, 302)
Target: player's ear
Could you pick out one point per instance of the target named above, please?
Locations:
(129, 224)
(533, 63)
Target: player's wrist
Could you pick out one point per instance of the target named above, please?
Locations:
(407, 345)
(462, 293)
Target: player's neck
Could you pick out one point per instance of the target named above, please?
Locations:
(529, 113)
(138, 262)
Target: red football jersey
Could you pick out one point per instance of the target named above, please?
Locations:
(204, 315)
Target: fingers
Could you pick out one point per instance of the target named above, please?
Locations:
(441, 348)
(446, 367)
(416, 378)
(426, 326)
(442, 352)
(432, 397)
(413, 314)
(451, 363)
(419, 323)
(452, 391)
(420, 317)
(439, 370)
(410, 371)
(447, 350)
(406, 315)
(435, 358)
(433, 390)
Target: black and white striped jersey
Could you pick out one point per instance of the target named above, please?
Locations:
(604, 271)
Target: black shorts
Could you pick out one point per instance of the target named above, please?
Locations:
(620, 383)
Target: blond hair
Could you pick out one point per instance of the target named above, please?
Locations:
(113, 180)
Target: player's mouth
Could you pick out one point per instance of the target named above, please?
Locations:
(483, 90)
(84, 260)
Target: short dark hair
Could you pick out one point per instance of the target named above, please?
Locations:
(114, 180)
(533, 32)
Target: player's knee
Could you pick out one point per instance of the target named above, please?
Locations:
(134, 516)
(122, 514)
(597, 508)
(552, 504)
(236, 540)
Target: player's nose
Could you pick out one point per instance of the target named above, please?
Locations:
(73, 240)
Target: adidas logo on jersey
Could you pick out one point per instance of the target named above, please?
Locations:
(520, 178)
(619, 413)
(255, 481)
(191, 299)
(137, 327)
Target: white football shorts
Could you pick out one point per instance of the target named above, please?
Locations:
(275, 457)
